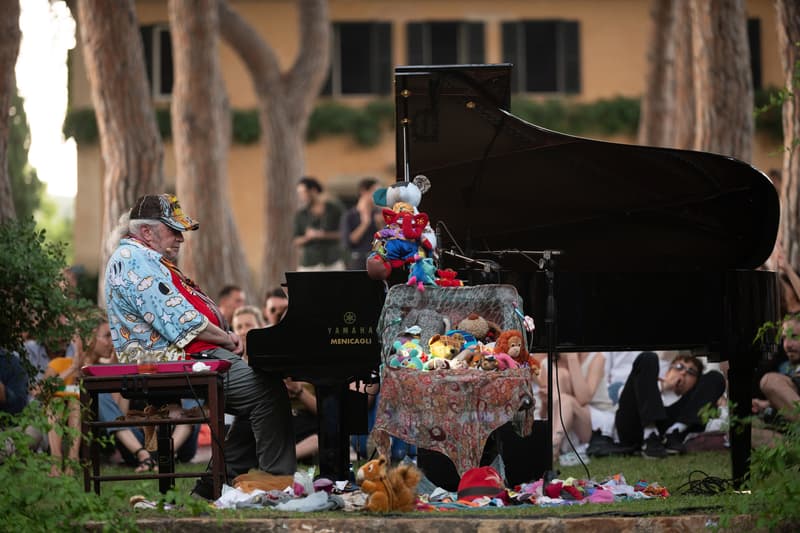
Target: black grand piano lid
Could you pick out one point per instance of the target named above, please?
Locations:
(498, 182)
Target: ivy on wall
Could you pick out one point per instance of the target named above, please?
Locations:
(367, 124)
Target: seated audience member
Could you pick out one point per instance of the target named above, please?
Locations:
(580, 379)
(275, 305)
(618, 367)
(657, 412)
(603, 408)
(244, 319)
(13, 383)
(66, 370)
(231, 298)
(782, 387)
(304, 418)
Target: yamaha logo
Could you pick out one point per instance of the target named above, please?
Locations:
(349, 318)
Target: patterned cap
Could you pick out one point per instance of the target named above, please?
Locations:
(165, 208)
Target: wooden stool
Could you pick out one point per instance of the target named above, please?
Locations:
(155, 388)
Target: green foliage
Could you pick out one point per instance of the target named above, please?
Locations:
(768, 104)
(615, 116)
(365, 125)
(26, 189)
(57, 226)
(82, 125)
(36, 301)
(246, 127)
(164, 123)
(32, 500)
(774, 483)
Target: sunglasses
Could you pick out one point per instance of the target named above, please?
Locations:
(680, 367)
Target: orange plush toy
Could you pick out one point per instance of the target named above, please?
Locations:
(388, 489)
(512, 342)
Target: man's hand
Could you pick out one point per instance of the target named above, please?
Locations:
(237, 343)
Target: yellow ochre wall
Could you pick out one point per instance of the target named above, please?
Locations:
(613, 45)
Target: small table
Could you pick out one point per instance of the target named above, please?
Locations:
(158, 387)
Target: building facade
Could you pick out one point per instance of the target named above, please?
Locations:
(581, 50)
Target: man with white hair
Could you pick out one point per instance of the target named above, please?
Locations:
(151, 305)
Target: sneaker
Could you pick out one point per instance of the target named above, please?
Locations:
(603, 446)
(572, 459)
(653, 448)
(674, 443)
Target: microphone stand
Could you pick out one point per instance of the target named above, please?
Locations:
(548, 264)
(487, 266)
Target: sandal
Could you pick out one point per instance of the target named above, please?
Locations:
(145, 465)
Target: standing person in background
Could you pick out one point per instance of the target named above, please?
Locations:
(359, 225)
(316, 228)
(231, 298)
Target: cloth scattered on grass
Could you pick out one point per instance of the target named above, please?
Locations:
(324, 495)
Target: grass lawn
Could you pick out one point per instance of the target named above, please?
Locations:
(672, 473)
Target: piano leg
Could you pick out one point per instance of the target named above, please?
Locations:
(740, 379)
(334, 440)
(751, 300)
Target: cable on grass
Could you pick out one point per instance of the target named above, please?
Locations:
(704, 486)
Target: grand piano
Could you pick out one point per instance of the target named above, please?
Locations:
(613, 247)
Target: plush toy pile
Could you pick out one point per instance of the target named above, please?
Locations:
(407, 240)
(477, 344)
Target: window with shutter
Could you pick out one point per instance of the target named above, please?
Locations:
(445, 43)
(545, 54)
(361, 59)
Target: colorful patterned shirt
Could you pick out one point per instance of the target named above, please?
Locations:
(144, 306)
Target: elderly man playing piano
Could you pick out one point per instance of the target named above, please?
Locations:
(153, 306)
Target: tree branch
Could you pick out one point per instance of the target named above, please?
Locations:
(306, 77)
(258, 56)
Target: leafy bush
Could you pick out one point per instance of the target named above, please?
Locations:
(619, 115)
(37, 301)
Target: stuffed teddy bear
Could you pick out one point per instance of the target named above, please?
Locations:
(447, 278)
(388, 489)
(512, 342)
(445, 346)
(483, 330)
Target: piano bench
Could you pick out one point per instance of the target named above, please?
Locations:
(153, 387)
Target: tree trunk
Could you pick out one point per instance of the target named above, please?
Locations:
(723, 83)
(285, 104)
(129, 139)
(657, 119)
(201, 128)
(788, 39)
(9, 49)
(683, 118)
